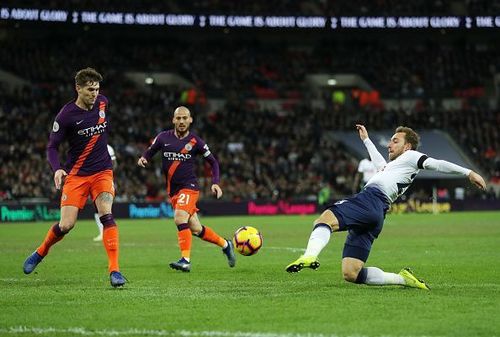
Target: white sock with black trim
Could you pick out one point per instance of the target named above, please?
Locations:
(376, 276)
(319, 238)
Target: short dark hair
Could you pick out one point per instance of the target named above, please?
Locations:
(410, 136)
(86, 75)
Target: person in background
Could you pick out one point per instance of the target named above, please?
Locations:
(366, 170)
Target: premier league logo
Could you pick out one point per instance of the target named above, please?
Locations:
(102, 114)
(188, 147)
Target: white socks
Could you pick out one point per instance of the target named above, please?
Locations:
(376, 276)
(318, 240)
(320, 237)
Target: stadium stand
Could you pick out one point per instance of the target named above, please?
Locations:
(266, 151)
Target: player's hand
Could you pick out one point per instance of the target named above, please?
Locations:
(217, 191)
(363, 134)
(58, 178)
(142, 162)
(477, 180)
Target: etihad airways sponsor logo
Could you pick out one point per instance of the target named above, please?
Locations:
(176, 156)
(93, 130)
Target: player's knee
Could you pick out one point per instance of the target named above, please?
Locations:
(321, 222)
(328, 218)
(350, 271)
(66, 226)
(350, 275)
(180, 221)
(181, 217)
(197, 230)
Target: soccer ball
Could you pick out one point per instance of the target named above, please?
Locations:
(247, 240)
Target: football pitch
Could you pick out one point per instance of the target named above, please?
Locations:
(458, 254)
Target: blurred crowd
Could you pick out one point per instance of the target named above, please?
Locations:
(265, 152)
(253, 68)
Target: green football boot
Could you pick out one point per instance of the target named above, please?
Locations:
(303, 262)
(411, 281)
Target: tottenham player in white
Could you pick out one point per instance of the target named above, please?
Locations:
(366, 170)
(363, 214)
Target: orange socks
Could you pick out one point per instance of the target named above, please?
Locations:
(53, 236)
(110, 241)
(207, 234)
(185, 240)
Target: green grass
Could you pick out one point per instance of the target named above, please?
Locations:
(458, 254)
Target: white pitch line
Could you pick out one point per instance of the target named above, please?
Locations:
(145, 332)
(174, 333)
(290, 249)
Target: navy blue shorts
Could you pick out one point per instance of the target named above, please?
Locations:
(362, 215)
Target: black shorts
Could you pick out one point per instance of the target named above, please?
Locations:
(363, 217)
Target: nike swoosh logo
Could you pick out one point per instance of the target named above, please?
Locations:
(79, 122)
(166, 144)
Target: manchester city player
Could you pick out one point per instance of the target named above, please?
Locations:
(83, 123)
(363, 214)
(178, 148)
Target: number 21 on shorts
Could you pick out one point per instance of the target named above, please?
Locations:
(183, 199)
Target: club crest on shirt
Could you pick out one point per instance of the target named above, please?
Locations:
(55, 127)
(188, 147)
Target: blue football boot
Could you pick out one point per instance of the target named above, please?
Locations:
(31, 262)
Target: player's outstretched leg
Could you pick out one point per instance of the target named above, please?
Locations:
(53, 236)
(319, 238)
(303, 262)
(209, 235)
(411, 280)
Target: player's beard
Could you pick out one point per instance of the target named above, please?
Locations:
(182, 132)
(394, 155)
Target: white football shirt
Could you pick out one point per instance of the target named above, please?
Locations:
(394, 178)
(367, 168)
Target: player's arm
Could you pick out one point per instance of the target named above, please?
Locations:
(375, 156)
(150, 152)
(56, 137)
(214, 164)
(447, 167)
